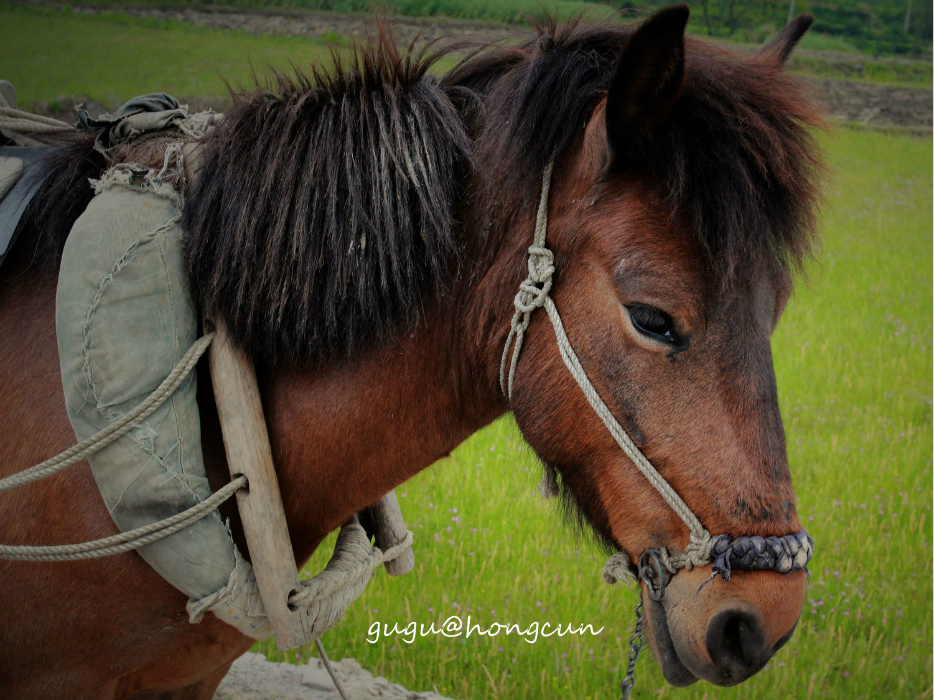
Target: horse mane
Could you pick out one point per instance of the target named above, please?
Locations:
(61, 198)
(738, 155)
(324, 214)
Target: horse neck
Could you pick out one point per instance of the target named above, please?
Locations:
(345, 434)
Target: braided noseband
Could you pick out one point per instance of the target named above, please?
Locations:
(783, 554)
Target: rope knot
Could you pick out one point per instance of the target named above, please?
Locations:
(534, 290)
(532, 294)
(541, 264)
(697, 552)
(618, 569)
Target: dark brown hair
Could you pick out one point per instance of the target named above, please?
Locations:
(738, 153)
(324, 213)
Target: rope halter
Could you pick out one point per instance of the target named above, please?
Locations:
(783, 554)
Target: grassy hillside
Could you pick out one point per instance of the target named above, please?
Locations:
(49, 55)
(114, 66)
(875, 27)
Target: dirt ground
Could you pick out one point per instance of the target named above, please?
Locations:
(315, 25)
(252, 677)
(877, 105)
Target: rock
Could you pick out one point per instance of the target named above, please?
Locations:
(252, 677)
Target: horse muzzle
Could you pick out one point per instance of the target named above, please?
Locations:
(725, 632)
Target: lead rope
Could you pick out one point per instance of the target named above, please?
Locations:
(331, 672)
(655, 566)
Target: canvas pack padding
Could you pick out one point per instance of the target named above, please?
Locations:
(124, 318)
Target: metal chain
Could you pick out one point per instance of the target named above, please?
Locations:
(636, 642)
(653, 575)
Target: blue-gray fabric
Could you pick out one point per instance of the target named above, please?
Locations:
(143, 114)
(16, 194)
(755, 553)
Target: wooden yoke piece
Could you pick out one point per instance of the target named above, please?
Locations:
(246, 443)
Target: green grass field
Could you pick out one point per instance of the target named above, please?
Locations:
(498, 11)
(46, 53)
(853, 357)
(757, 24)
(50, 55)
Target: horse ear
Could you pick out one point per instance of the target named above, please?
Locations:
(646, 84)
(781, 47)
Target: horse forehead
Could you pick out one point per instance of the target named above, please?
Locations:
(651, 248)
(637, 230)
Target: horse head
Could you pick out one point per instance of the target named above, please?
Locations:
(677, 216)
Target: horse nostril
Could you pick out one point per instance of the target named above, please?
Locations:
(736, 644)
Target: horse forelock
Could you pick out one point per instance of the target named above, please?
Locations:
(737, 157)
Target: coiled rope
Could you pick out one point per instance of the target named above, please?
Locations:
(20, 122)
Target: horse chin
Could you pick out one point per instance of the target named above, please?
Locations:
(659, 638)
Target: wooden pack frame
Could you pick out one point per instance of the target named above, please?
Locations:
(246, 444)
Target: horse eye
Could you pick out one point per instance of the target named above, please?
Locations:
(653, 323)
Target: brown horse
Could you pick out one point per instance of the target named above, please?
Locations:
(363, 231)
